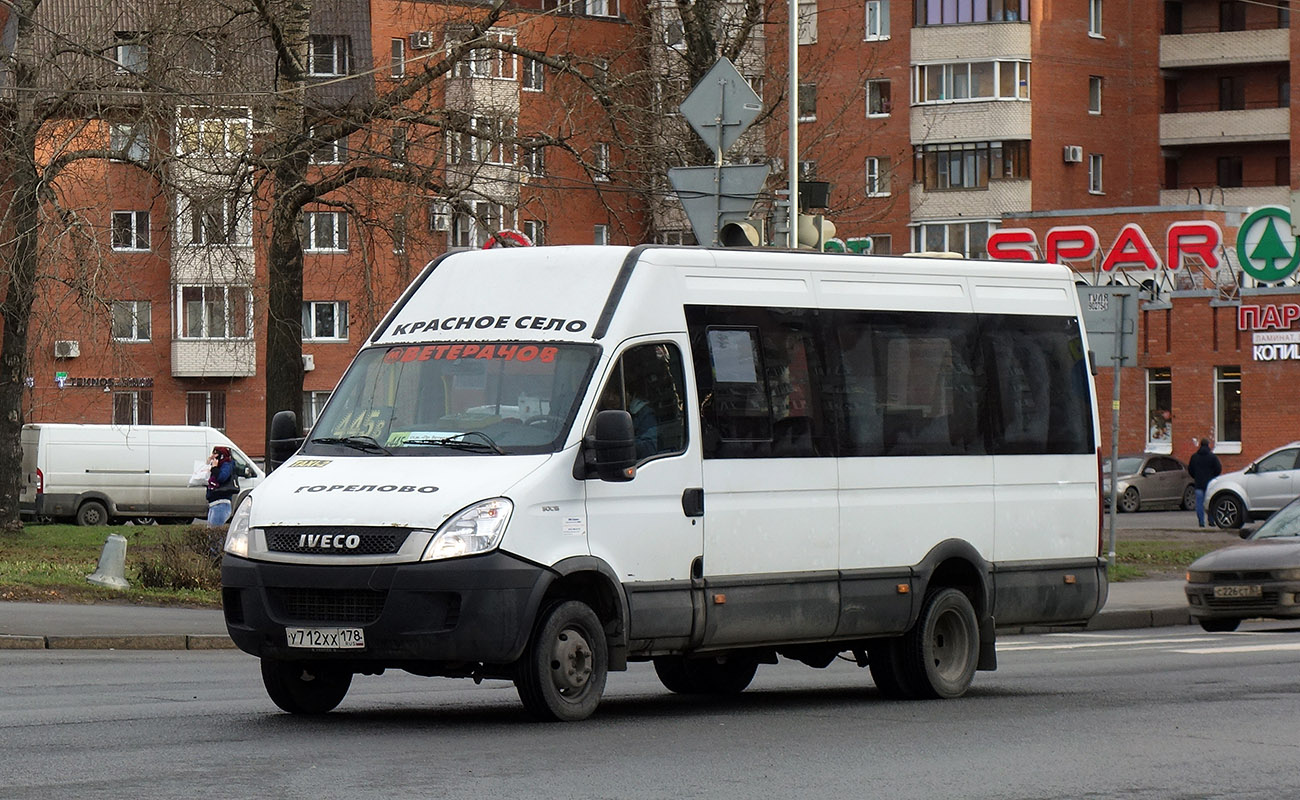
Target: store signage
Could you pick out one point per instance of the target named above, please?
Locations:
(62, 380)
(1266, 248)
(1270, 325)
(1131, 248)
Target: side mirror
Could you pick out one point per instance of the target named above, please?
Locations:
(613, 443)
(285, 439)
(1149, 471)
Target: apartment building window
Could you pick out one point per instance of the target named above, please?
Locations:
(600, 162)
(221, 133)
(485, 62)
(1227, 404)
(1094, 173)
(807, 102)
(1232, 93)
(328, 152)
(129, 140)
(1282, 171)
(601, 8)
(1283, 91)
(397, 58)
(1160, 404)
(475, 222)
(312, 404)
(535, 160)
(970, 81)
(399, 233)
(203, 54)
(206, 408)
(877, 20)
(1094, 17)
(807, 12)
(329, 55)
(488, 140)
(600, 234)
(1173, 18)
(213, 220)
(971, 165)
(676, 236)
(960, 12)
(131, 321)
(1094, 94)
(968, 238)
(1229, 172)
(882, 244)
(132, 408)
(397, 141)
(1232, 15)
(130, 230)
(325, 231)
(325, 320)
(534, 75)
(214, 312)
(535, 231)
(878, 98)
(131, 52)
(877, 177)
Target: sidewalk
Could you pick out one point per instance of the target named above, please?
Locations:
(111, 626)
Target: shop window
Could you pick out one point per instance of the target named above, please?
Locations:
(1227, 405)
(1160, 404)
(132, 408)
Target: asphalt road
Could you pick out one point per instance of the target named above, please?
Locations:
(1158, 713)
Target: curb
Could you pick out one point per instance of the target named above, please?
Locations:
(179, 641)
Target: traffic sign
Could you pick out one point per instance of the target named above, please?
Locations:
(1110, 315)
(714, 196)
(722, 106)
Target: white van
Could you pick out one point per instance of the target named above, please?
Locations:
(548, 462)
(96, 474)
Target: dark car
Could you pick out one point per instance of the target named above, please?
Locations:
(1259, 577)
(1147, 480)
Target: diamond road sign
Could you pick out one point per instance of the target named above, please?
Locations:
(714, 196)
(721, 106)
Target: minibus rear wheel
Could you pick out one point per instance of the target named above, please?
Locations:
(561, 676)
(942, 649)
(305, 688)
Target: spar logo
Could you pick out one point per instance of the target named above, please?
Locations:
(1266, 248)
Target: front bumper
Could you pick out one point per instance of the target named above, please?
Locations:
(1277, 600)
(456, 612)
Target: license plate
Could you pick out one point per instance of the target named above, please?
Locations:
(1230, 592)
(326, 638)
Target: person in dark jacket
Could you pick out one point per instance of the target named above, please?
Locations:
(222, 485)
(1203, 466)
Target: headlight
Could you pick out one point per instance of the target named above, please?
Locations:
(1199, 577)
(1287, 574)
(238, 533)
(477, 529)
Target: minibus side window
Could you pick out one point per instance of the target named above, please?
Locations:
(648, 383)
(1040, 377)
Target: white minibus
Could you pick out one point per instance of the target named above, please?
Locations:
(549, 462)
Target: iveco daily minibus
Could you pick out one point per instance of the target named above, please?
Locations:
(548, 462)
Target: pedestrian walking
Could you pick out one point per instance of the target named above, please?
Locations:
(222, 485)
(1204, 467)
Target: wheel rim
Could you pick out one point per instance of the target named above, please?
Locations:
(571, 662)
(950, 646)
(1225, 513)
(1129, 500)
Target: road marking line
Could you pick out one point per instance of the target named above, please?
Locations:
(1080, 645)
(1245, 648)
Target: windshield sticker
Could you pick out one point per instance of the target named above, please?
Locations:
(529, 322)
(367, 487)
(309, 462)
(399, 438)
(451, 352)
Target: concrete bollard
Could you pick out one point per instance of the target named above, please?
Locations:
(112, 564)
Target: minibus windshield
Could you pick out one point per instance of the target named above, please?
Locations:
(455, 399)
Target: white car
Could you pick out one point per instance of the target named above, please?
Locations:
(1257, 491)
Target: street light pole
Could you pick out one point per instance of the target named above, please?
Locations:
(792, 235)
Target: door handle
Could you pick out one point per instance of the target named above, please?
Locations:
(693, 502)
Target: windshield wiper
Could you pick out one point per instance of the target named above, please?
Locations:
(458, 442)
(365, 443)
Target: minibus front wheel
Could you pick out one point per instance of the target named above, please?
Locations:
(305, 688)
(561, 676)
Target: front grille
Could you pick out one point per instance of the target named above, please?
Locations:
(358, 606)
(312, 539)
(1267, 602)
(1244, 576)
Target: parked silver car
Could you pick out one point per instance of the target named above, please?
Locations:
(1272, 481)
(1149, 479)
(1259, 577)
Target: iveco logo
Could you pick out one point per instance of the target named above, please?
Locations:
(329, 541)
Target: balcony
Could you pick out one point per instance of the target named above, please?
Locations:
(1210, 127)
(1228, 47)
(1001, 197)
(988, 120)
(214, 358)
(971, 42)
(1238, 197)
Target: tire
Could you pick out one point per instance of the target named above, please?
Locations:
(1218, 625)
(92, 512)
(941, 651)
(304, 687)
(724, 676)
(1227, 511)
(561, 676)
(885, 660)
(1189, 498)
(1130, 500)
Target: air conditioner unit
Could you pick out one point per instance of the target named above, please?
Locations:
(67, 349)
(421, 40)
(1073, 154)
(308, 362)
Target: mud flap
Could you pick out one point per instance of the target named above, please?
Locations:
(988, 646)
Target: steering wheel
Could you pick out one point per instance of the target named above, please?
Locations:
(542, 419)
